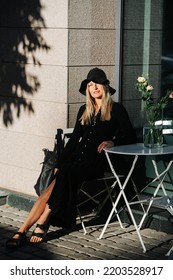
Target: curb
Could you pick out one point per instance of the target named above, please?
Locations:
(158, 219)
(16, 200)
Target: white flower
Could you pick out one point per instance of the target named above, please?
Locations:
(141, 79)
(149, 88)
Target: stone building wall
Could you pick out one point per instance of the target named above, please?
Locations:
(47, 48)
(92, 35)
(33, 86)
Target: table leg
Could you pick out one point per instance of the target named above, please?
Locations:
(122, 193)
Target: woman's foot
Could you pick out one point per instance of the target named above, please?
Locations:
(39, 233)
(17, 240)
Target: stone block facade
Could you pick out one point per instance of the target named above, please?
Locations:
(46, 50)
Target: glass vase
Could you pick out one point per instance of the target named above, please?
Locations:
(152, 130)
(152, 136)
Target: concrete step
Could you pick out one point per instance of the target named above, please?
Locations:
(17, 200)
(3, 197)
(158, 218)
(20, 201)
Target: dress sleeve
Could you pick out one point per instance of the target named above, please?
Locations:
(125, 133)
(73, 141)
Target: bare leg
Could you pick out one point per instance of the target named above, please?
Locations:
(40, 212)
(43, 220)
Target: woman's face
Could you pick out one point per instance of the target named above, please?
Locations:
(96, 90)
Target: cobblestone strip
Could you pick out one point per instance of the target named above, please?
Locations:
(117, 243)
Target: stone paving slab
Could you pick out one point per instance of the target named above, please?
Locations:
(63, 244)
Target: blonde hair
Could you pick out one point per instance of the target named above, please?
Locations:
(106, 106)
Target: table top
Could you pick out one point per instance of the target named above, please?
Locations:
(140, 149)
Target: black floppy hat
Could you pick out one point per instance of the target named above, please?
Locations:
(97, 76)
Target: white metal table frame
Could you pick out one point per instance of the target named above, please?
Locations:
(137, 150)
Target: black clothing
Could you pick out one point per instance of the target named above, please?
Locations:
(80, 160)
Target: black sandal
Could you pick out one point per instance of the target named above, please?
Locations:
(14, 243)
(39, 234)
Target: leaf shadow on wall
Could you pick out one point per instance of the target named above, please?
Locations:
(21, 39)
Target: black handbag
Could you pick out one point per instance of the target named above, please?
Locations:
(50, 158)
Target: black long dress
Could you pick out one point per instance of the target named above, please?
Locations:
(80, 160)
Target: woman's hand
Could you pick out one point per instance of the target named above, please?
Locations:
(105, 144)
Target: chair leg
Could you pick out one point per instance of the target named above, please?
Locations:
(82, 222)
(108, 189)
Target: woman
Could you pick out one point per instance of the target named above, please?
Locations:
(101, 123)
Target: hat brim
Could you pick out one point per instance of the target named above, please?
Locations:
(86, 81)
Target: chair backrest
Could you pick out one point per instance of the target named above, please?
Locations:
(65, 135)
(167, 126)
(167, 130)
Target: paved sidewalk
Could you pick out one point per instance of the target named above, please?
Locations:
(117, 244)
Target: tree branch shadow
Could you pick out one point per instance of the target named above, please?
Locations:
(21, 26)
